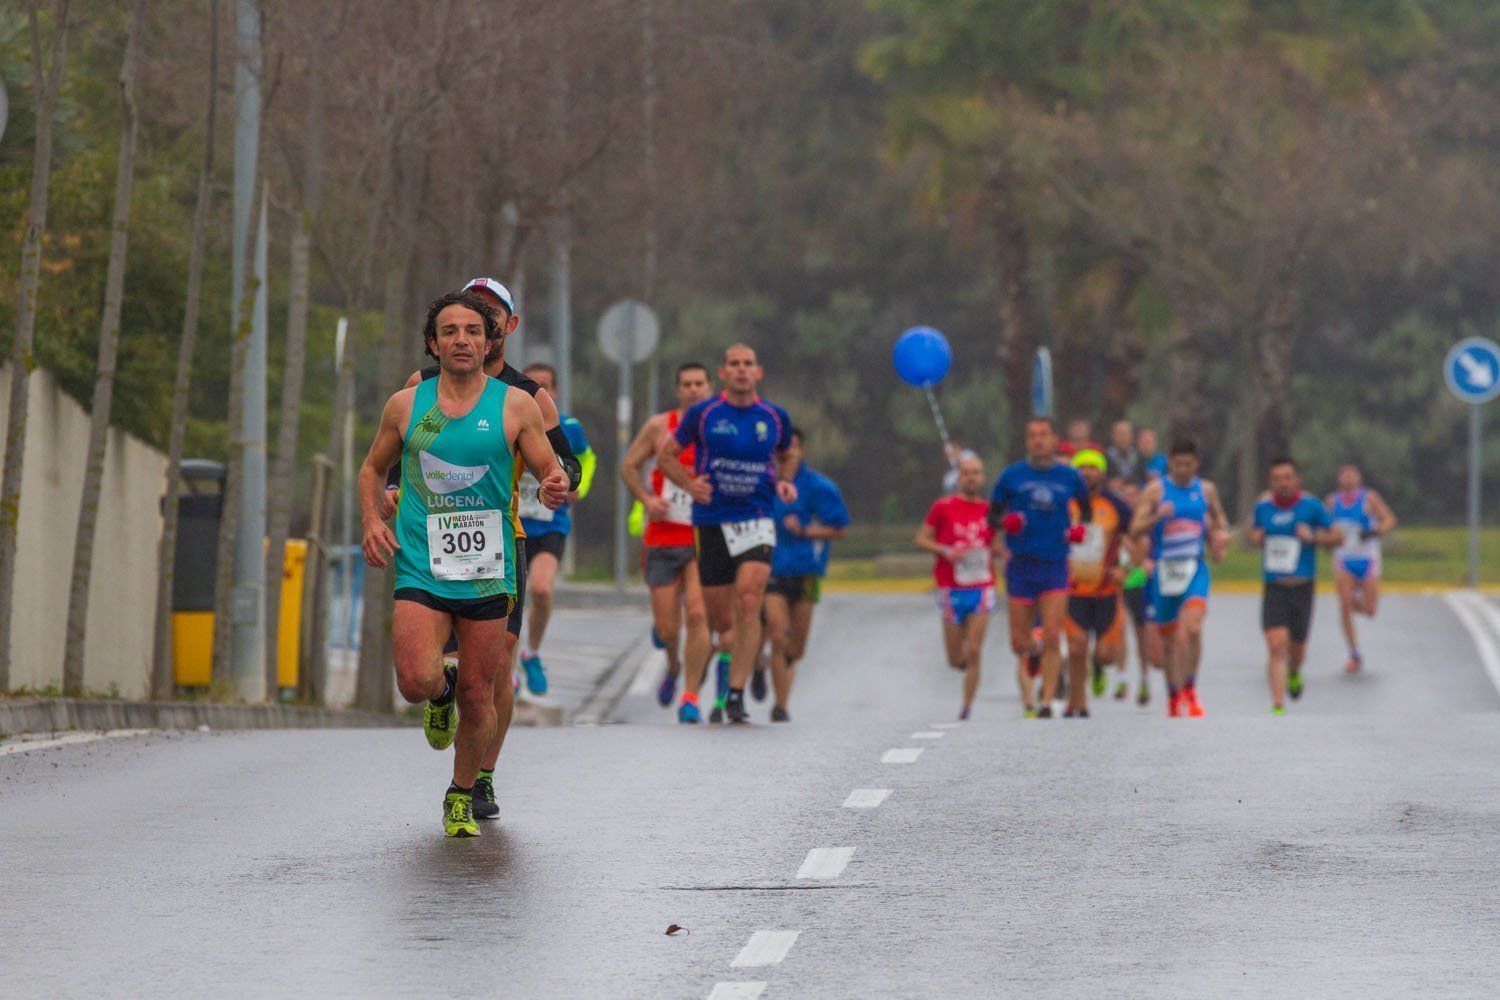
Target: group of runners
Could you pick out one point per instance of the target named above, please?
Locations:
(466, 492)
(467, 487)
(1092, 537)
(735, 539)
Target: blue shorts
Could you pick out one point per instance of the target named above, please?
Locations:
(959, 604)
(1359, 567)
(1161, 610)
(1028, 579)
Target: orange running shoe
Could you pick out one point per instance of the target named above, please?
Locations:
(1190, 704)
(1175, 706)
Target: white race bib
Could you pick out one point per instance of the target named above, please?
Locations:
(1352, 531)
(1282, 553)
(531, 507)
(679, 502)
(466, 546)
(742, 536)
(1174, 576)
(1087, 556)
(972, 568)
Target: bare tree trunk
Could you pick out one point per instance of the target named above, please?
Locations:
(1127, 345)
(104, 378)
(45, 88)
(1019, 330)
(1274, 361)
(166, 559)
(282, 483)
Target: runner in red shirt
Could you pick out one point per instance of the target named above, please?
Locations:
(957, 532)
(670, 559)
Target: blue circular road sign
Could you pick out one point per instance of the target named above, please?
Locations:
(1472, 369)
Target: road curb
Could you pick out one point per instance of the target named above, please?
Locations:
(39, 715)
(612, 685)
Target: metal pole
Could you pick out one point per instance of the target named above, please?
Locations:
(346, 490)
(247, 631)
(1474, 473)
(562, 312)
(622, 504)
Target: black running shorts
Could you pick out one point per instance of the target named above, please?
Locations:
(1288, 606)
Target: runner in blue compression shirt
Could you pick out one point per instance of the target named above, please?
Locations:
(736, 438)
(1186, 521)
(1288, 525)
(1030, 506)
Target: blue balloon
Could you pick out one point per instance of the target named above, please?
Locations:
(922, 356)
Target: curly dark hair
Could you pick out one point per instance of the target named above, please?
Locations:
(468, 300)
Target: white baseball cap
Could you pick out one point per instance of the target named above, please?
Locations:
(495, 288)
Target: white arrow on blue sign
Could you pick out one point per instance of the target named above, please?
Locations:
(1472, 369)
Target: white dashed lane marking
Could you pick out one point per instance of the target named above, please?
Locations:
(945, 725)
(866, 798)
(901, 755)
(26, 745)
(923, 734)
(825, 862)
(765, 948)
(737, 991)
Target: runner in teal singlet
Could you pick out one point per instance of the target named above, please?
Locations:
(457, 437)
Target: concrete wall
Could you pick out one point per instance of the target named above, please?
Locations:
(122, 593)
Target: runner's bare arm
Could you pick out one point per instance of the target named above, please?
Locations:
(633, 466)
(379, 542)
(536, 451)
(1218, 523)
(414, 379)
(926, 540)
(1146, 513)
(667, 460)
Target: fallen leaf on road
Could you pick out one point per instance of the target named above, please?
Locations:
(675, 928)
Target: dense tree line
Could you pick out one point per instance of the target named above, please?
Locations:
(1262, 223)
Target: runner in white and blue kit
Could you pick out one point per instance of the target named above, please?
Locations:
(1288, 525)
(1362, 516)
(1030, 506)
(736, 438)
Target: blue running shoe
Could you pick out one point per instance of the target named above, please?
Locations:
(668, 689)
(536, 677)
(656, 639)
(688, 713)
(758, 684)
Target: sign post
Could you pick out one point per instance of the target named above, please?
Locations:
(1472, 371)
(1041, 383)
(628, 332)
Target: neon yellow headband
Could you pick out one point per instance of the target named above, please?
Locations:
(1090, 458)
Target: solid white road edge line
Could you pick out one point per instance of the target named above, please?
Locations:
(24, 745)
(866, 798)
(1468, 605)
(901, 755)
(648, 674)
(765, 948)
(825, 862)
(737, 991)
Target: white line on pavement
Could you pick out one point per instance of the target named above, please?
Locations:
(1468, 606)
(922, 734)
(24, 745)
(825, 862)
(866, 798)
(901, 755)
(648, 674)
(765, 948)
(737, 991)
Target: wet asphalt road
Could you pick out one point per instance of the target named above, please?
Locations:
(1347, 849)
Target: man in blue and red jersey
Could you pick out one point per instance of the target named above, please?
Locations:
(1030, 505)
(1288, 525)
(958, 534)
(736, 437)
(1185, 520)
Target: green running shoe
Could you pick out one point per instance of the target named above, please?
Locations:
(1029, 713)
(458, 815)
(1099, 682)
(1278, 710)
(1294, 685)
(440, 722)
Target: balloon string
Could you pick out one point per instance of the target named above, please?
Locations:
(937, 415)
